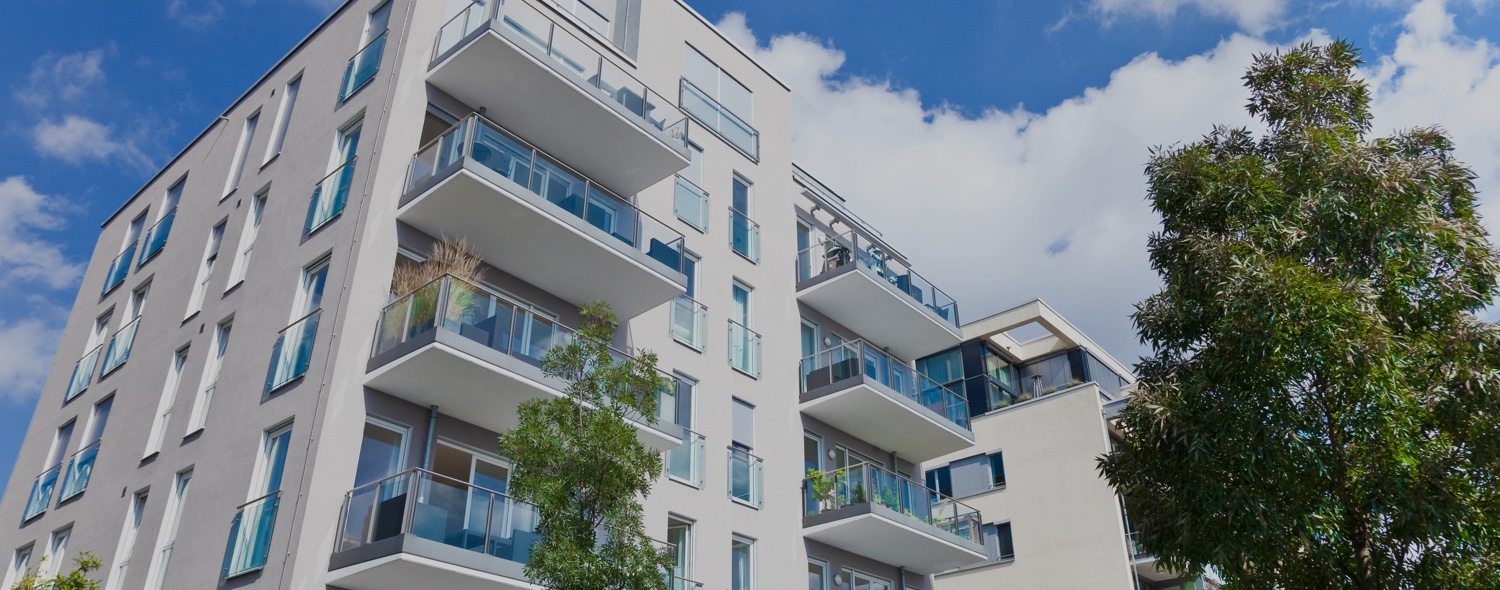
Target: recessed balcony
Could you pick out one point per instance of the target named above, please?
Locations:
(850, 279)
(864, 392)
(476, 354)
(879, 514)
(419, 529)
(554, 88)
(534, 217)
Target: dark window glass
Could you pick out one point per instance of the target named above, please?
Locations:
(997, 470)
(1007, 546)
(941, 480)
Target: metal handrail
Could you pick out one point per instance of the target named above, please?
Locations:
(858, 349)
(850, 241)
(871, 466)
(242, 506)
(299, 320)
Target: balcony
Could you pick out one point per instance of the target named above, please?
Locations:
(419, 529)
(685, 463)
(537, 219)
(881, 515)
(528, 70)
(476, 354)
(76, 476)
(292, 353)
(119, 268)
(1145, 564)
(250, 536)
(870, 395)
(83, 373)
(689, 322)
(156, 237)
(41, 493)
(118, 350)
(854, 282)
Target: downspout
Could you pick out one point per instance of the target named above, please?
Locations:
(901, 577)
(432, 413)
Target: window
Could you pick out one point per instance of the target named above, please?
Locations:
(719, 102)
(741, 563)
(862, 581)
(292, 354)
(167, 536)
(744, 466)
(743, 417)
(812, 452)
(241, 265)
(689, 318)
(598, 15)
(283, 118)
(205, 270)
(744, 343)
(166, 402)
(382, 451)
(691, 203)
(81, 464)
(250, 532)
(120, 266)
(366, 62)
(247, 135)
(56, 555)
(83, 370)
(998, 540)
(199, 417)
(680, 537)
(125, 548)
(19, 562)
(946, 367)
(156, 237)
(744, 234)
(310, 297)
(997, 470)
(817, 574)
(940, 480)
(809, 339)
(332, 192)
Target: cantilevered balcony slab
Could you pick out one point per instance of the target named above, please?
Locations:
(618, 254)
(407, 562)
(879, 305)
(480, 369)
(528, 70)
(873, 530)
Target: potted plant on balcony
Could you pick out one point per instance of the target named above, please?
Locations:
(822, 486)
(448, 257)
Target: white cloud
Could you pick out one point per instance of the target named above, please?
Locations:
(61, 77)
(195, 14)
(1013, 204)
(1254, 16)
(77, 140)
(26, 258)
(26, 347)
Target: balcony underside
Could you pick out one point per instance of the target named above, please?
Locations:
(876, 532)
(517, 85)
(876, 310)
(1145, 567)
(479, 385)
(406, 562)
(873, 413)
(538, 242)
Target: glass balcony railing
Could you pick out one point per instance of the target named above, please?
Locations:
(707, 111)
(119, 268)
(250, 535)
(744, 236)
(745, 474)
(853, 359)
(83, 373)
(865, 483)
(1137, 550)
(156, 237)
(441, 509)
(362, 67)
(839, 251)
(487, 144)
(292, 353)
(329, 196)
(691, 204)
(744, 349)
(568, 55)
(455, 305)
(689, 322)
(76, 476)
(685, 462)
(118, 350)
(41, 493)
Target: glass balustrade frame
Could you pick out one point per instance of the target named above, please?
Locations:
(746, 477)
(290, 363)
(363, 66)
(688, 322)
(119, 347)
(837, 364)
(156, 237)
(249, 545)
(690, 204)
(40, 497)
(866, 483)
(744, 236)
(79, 470)
(327, 204)
(119, 268)
(744, 349)
(83, 373)
(685, 463)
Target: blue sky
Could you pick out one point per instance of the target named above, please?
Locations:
(1022, 123)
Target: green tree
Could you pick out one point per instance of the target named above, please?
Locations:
(83, 566)
(578, 460)
(1320, 409)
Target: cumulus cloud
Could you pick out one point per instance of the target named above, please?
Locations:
(61, 78)
(26, 347)
(1253, 16)
(77, 140)
(31, 263)
(195, 14)
(1011, 204)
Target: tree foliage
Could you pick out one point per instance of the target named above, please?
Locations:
(83, 566)
(1320, 409)
(578, 460)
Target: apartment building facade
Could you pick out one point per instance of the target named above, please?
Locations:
(241, 400)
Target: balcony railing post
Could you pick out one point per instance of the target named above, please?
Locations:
(489, 521)
(413, 496)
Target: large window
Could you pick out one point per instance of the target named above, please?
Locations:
(859, 580)
(292, 354)
(250, 532)
(946, 367)
(719, 102)
(382, 451)
(366, 62)
(156, 237)
(166, 538)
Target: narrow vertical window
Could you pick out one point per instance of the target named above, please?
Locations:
(57, 554)
(166, 538)
(817, 574)
(19, 562)
(744, 466)
(366, 62)
(741, 563)
(242, 151)
(166, 402)
(156, 237)
(211, 368)
(125, 548)
(997, 470)
(744, 234)
(283, 118)
(680, 538)
(332, 192)
(744, 343)
(119, 268)
(250, 532)
(81, 464)
(382, 451)
(292, 354)
(241, 265)
(205, 270)
(93, 349)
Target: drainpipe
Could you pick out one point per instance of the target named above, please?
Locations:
(432, 412)
(901, 577)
